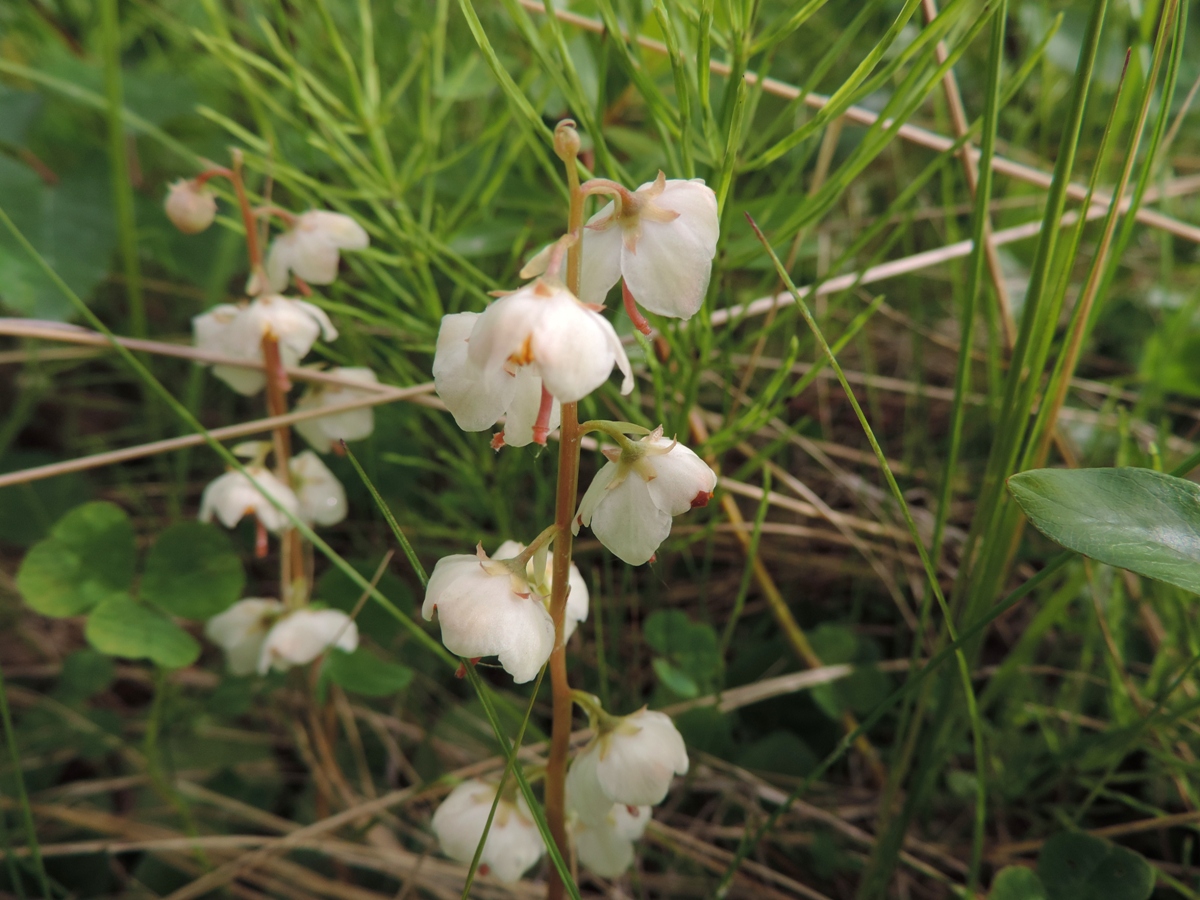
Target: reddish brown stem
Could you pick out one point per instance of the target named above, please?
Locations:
(635, 314)
(248, 219)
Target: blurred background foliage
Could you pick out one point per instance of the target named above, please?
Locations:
(394, 112)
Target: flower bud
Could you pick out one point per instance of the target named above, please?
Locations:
(190, 208)
(513, 843)
(566, 140)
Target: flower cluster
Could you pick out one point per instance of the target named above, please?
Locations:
(522, 361)
(259, 635)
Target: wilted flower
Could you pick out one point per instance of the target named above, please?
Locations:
(321, 496)
(487, 609)
(301, 636)
(630, 502)
(606, 847)
(513, 843)
(238, 331)
(352, 425)
(631, 762)
(233, 495)
(189, 206)
(310, 248)
(577, 599)
(241, 630)
(660, 238)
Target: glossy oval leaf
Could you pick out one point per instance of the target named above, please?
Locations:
(1017, 883)
(362, 672)
(1076, 866)
(88, 558)
(1136, 519)
(192, 572)
(122, 627)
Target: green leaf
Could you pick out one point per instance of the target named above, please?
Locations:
(193, 572)
(121, 627)
(675, 680)
(1136, 519)
(87, 558)
(1017, 883)
(1075, 866)
(363, 672)
(689, 647)
(29, 510)
(84, 673)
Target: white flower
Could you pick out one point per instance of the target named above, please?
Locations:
(478, 399)
(322, 497)
(606, 847)
(352, 425)
(513, 843)
(241, 630)
(632, 764)
(661, 239)
(310, 248)
(190, 208)
(300, 637)
(233, 495)
(577, 599)
(486, 609)
(630, 502)
(238, 331)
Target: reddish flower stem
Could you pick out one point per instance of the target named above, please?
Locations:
(567, 146)
(635, 314)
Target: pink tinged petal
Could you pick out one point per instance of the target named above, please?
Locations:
(639, 760)
(669, 274)
(601, 267)
(476, 399)
(681, 475)
(522, 410)
(596, 492)
(628, 523)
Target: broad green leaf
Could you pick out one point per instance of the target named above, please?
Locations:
(87, 558)
(363, 672)
(121, 627)
(780, 751)
(192, 571)
(1075, 866)
(674, 680)
(1136, 519)
(1017, 883)
(84, 673)
(690, 647)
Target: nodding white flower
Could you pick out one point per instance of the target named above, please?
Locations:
(513, 843)
(660, 238)
(321, 496)
(241, 630)
(238, 331)
(630, 502)
(301, 636)
(577, 599)
(353, 425)
(606, 847)
(310, 248)
(486, 608)
(478, 399)
(189, 206)
(631, 763)
(233, 495)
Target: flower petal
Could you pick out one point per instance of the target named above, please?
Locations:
(241, 630)
(681, 476)
(300, 637)
(601, 267)
(638, 761)
(476, 399)
(628, 523)
(573, 348)
(523, 409)
(595, 493)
